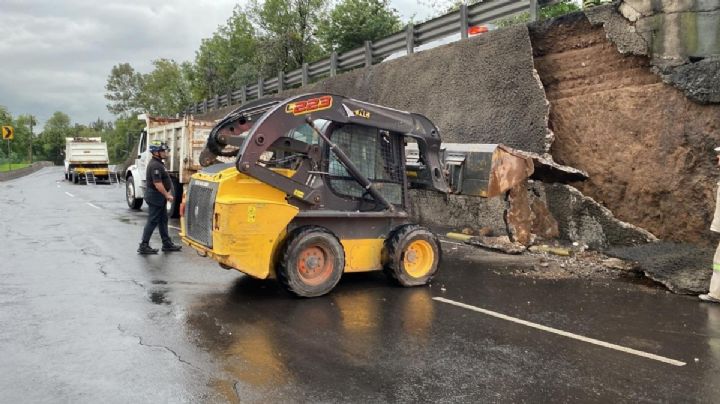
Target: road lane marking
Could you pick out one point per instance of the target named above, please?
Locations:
(96, 207)
(563, 333)
(173, 227)
(451, 242)
(69, 194)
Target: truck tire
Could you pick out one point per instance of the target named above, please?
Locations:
(411, 255)
(133, 202)
(75, 179)
(312, 261)
(173, 208)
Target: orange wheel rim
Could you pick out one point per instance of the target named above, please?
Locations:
(315, 265)
(418, 258)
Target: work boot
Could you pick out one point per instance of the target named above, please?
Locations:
(171, 247)
(145, 249)
(708, 298)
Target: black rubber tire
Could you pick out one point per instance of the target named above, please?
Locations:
(133, 203)
(66, 176)
(394, 255)
(306, 240)
(173, 209)
(75, 179)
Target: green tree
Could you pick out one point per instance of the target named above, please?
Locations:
(56, 129)
(286, 30)
(165, 90)
(122, 138)
(25, 126)
(226, 60)
(550, 10)
(352, 22)
(123, 88)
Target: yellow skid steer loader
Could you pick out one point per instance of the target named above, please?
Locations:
(318, 187)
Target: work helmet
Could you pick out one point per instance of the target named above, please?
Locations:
(157, 147)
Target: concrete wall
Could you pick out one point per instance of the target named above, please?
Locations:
(681, 37)
(483, 90)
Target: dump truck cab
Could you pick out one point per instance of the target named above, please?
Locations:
(318, 188)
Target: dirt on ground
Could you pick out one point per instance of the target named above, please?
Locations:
(647, 148)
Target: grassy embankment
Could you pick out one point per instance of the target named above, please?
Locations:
(14, 166)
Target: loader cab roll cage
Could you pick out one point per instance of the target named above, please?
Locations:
(346, 154)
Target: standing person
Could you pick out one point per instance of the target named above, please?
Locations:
(159, 191)
(714, 294)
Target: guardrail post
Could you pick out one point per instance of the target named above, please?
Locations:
(410, 38)
(205, 106)
(261, 83)
(333, 63)
(533, 10)
(281, 81)
(463, 21)
(229, 98)
(305, 74)
(368, 53)
(243, 94)
(216, 102)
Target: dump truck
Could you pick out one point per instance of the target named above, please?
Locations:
(319, 186)
(185, 138)
(86, 159)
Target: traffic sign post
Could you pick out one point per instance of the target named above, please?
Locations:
(8, 133)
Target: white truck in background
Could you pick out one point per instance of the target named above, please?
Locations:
(185, 138)
(86, 158)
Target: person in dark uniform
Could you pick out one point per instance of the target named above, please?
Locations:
(159, 191)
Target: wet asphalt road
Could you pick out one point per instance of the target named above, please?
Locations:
(85, 319)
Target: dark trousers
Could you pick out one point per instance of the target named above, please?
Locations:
(157, 217)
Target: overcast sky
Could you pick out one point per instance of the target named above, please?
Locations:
(55, 55)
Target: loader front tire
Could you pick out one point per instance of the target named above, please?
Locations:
(311, 262)
(411, 255)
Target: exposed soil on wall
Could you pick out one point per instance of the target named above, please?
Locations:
(647, 148)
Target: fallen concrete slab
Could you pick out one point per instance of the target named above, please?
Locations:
(681, 267)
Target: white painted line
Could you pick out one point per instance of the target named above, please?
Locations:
(563, 333)
(96, 207)
(69, 194)
(451, 242)
(173, 227)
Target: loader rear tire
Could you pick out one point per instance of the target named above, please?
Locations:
(311, 262)
(411, 255)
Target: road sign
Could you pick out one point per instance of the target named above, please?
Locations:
(8, 132)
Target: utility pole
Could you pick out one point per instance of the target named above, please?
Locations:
(32, 123)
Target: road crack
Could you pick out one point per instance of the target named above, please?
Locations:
(142, 343)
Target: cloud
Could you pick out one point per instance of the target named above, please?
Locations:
(56, 55)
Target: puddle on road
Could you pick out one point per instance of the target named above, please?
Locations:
(158, 296)
(159, 282)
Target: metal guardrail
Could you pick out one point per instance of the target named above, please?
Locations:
(373, 52)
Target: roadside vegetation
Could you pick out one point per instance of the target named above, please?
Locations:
(4, 167)
(259, 39)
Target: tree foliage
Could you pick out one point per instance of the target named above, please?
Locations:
(352, 22)
(553, 9)
(227, 59)
(286, 29)
(123, 88)
(56, 129)
(165, 90)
